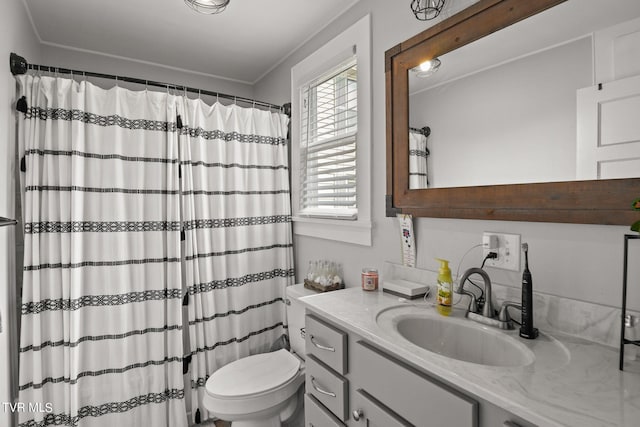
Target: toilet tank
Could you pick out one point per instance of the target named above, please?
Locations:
(295, 317)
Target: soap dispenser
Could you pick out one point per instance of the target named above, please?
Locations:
(445, 288)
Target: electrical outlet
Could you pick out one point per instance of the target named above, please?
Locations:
(508, 251)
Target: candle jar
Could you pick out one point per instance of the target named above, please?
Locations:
(369, 279)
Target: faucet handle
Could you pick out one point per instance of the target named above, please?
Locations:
(473, 301)
(503, 315)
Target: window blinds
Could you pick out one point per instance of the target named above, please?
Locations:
(328, 144)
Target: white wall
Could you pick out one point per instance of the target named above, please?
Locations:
(489, 128)
(18, 37)
(88, 61)
(577, 261)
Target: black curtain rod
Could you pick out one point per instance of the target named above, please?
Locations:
(426, 131)
(7, 221)
(19, 65)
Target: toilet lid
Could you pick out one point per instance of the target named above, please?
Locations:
(253, 375)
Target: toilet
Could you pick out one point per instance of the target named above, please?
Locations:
(267, 389)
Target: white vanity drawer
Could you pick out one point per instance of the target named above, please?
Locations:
(407, 391)
(327, 343)
(371, 413)
(328, 387)
(316, 415)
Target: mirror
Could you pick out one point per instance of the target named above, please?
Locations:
(552, 196)
(506, 113)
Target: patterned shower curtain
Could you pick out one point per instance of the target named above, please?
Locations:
(238, 243)
(101, 338)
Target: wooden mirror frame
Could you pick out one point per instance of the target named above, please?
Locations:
(585, 202)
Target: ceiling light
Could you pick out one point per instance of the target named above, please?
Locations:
(425, 10)
(427, 68)
(208, 7)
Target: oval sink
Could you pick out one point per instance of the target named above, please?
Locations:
(463, 340)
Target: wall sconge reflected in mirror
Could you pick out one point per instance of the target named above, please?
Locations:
(427, 68)
(425, 10)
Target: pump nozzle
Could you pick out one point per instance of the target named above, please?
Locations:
(444, 265)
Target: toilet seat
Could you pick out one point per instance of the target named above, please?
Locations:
(255, 387)
(253, 375)
(264, 390)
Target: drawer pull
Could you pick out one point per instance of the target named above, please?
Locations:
(320, 346)
(357, 414)
(319, 390)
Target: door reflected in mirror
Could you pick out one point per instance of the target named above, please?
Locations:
(523, 104)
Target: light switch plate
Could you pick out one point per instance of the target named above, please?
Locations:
(508, 251)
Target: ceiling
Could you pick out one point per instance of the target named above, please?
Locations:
(242, 44)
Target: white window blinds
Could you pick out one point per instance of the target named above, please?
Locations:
(328, 144)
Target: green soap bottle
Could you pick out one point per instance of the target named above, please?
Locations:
(445, 288)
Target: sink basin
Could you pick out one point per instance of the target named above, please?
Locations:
(458, 338)
(464, 340)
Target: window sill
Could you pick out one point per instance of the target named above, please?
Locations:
(356, 232)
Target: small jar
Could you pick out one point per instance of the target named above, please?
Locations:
(369, 279)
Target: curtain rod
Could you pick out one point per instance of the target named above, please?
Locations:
(426, 131)
(7, 221)
(19, 65)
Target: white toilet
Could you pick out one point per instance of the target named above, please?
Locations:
(263, 390)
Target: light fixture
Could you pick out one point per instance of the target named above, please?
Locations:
(208, 7)
(425, 10)
(427, 68)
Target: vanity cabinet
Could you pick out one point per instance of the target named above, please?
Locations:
(408, 393)
(326, 366)
(351, 382)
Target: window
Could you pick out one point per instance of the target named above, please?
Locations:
(331, 137)
(328, 145)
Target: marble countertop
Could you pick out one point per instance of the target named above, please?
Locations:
(585, 389)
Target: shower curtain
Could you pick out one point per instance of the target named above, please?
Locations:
(418, 160)
(101, 338)
(238, 255)
(132, 200)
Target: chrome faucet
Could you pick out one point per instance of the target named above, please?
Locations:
(482, 311)
(487, 307)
